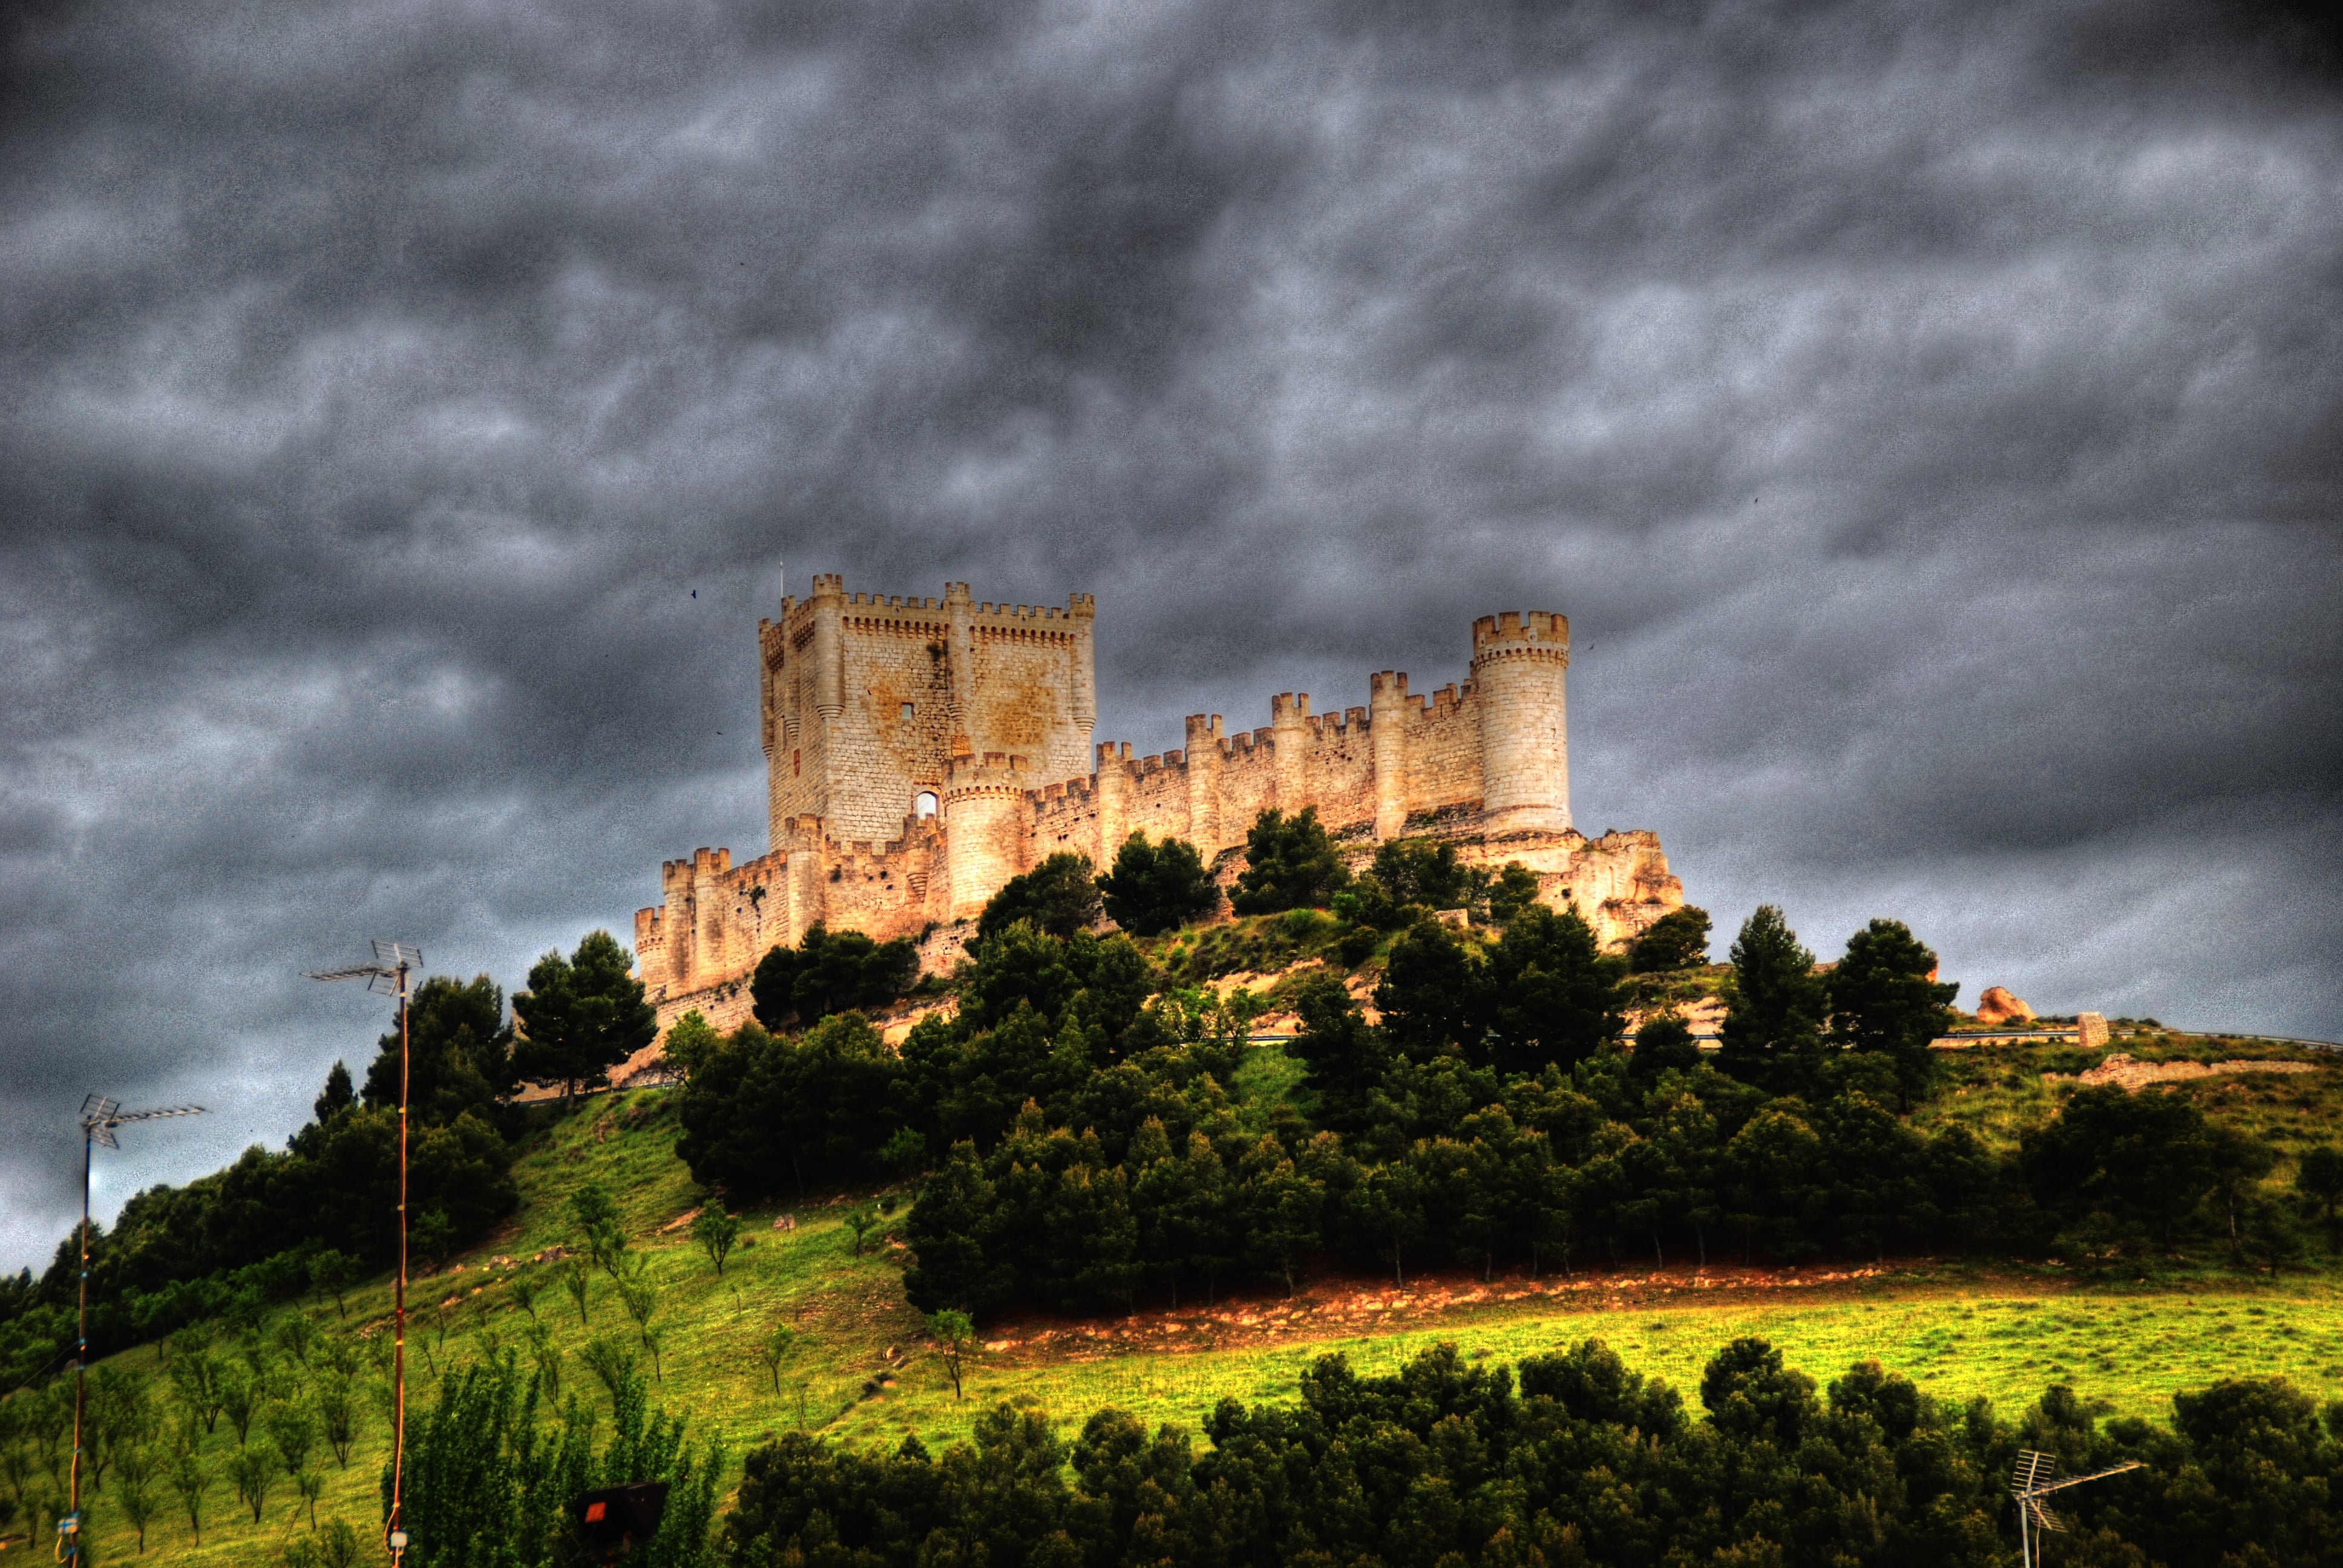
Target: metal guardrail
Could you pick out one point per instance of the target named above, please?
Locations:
(2264, 1039)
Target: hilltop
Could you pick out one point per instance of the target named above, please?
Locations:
(863, 1370)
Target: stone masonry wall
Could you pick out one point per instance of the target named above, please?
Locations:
(923, 752)
(868, 699)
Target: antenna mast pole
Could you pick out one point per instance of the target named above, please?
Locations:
(395, 963)
(2036, 1478)
(396, 1525)
(100, 1117)
(72, 1554)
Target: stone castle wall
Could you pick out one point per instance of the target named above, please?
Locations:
(867, 699)
(921, 752)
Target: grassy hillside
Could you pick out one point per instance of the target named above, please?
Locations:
(861, 1371)
(1998, 1091)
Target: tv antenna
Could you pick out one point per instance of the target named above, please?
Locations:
(2037, 1477)
(394, 964)
(100, 1117)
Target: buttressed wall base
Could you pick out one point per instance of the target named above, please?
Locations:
(921, 753)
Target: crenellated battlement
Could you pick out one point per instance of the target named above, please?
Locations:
(1514, 626)
(992, 772)
(921, 751)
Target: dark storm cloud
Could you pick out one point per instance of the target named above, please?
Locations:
(1927, 414)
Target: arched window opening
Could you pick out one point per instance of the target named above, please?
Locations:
(923, 804)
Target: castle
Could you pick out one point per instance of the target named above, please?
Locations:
(921, 753)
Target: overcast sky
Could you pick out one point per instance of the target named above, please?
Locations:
(1930, 418)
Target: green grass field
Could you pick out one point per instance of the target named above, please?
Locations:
(1957, 1331)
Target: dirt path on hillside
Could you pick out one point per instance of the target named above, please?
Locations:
(1346, 1308)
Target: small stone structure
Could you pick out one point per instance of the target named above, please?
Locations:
(2091, 1031)
(920, 752)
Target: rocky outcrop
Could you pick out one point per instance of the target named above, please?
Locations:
(1998, 1006)
(2123, 1072)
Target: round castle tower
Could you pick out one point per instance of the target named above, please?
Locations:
(984, 814)
(1518, 663)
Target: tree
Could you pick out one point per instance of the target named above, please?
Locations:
(1552, 995)
(1387, 1208)
(251, 1469)
(134, 1470)
(1676, 940)
(1884, 999)
(545, 1356)
(1774, 1007)
(768, 1108)
(2142, 1160)
(335, 1546)
(459, 1051)
(1157, 888)
(574, 1280)
(776, 1348)
(1431, 992)
(691, 1040)
(904, 1154)
(433, 1235)
(1291, 863)
(716, 1232)
(947, 1230)
(332, 1273)
(189, 1479)
(1426, 872)
(641, 1299)
(596, 1215)
(830, 973)
(293, 1433)
(637, 1293)
(198, 1375)
(239, 1399)
(2238, 1162)
(581, 1015)
(1663, 1042)
(1059, 897)
(1344, 1058)
(337, 1096)
(955, 1340)
(117, 1415)
(337, 1417)
(309, 1486)
(1515, 890)
(2319, 1177)
(1750, 1394)
(490, 1480)
(1282, 1210)
(296, 1336)
(611, 1363)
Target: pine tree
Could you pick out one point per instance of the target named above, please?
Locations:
(582, 1015)
(1774, 1008)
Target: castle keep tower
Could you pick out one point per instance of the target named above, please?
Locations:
(868, 698)
(921, 753)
